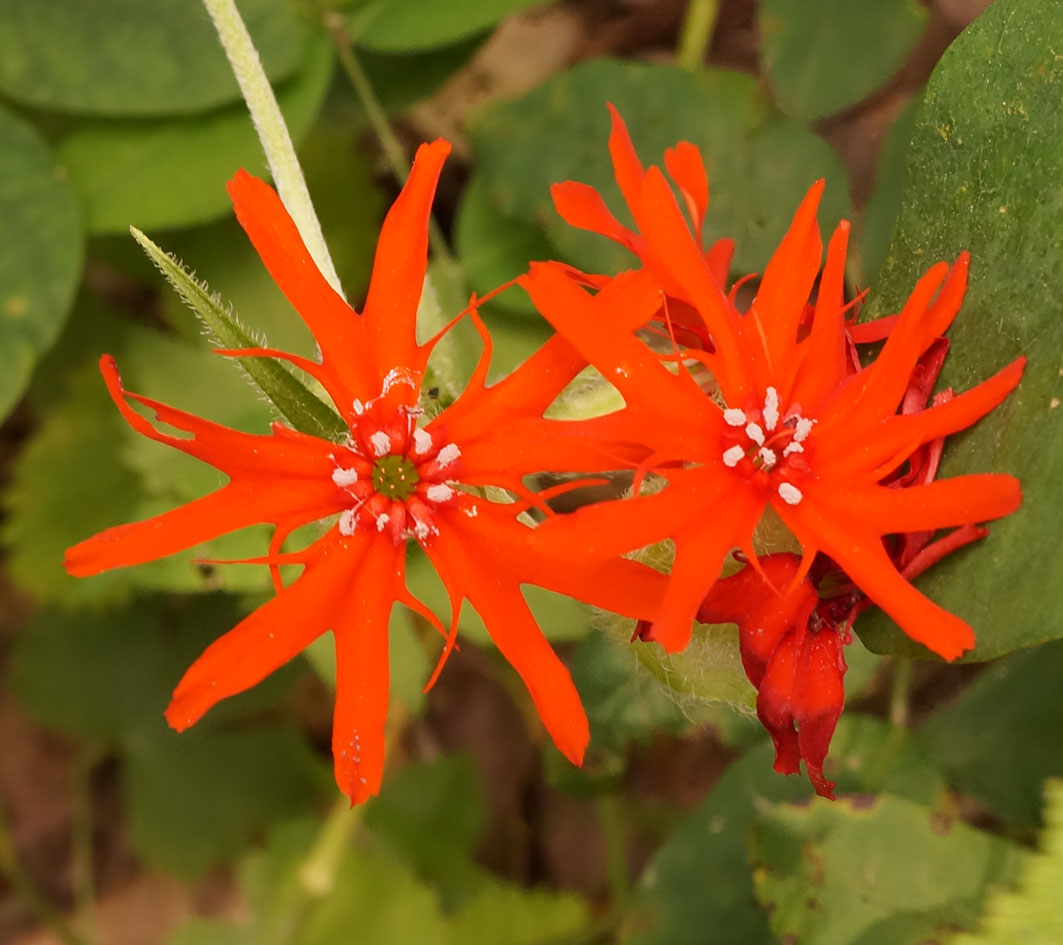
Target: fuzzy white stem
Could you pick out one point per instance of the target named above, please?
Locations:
(272, 131)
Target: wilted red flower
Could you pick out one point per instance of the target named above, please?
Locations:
(394, 479)
(784, 424)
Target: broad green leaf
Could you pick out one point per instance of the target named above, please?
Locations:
(884, 204)
(495, 249)
(503, 914)
(92, 676)
(1000, 739)
(984, 169)
(195, 798)
(702, 877)
(134, 57)
(760, 164)
(824, 56)
(884, 871)
(69, 482)
(406, 25)
(1030, 913)
(41, 232)
(433, 814)
(169, 172)
(370, 896)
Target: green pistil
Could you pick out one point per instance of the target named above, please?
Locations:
(395, 477)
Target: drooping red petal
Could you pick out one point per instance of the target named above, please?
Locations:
(399, 267)
(462, 564)
(817, 702)
(267, 638)
(774, 698)
(861, 555)
(346, 371)
(360, 627)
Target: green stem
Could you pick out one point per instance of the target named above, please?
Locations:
(272, 131)
(899, 691)
(12, 871)
(378, 121)
(81, 840)
(696, 33)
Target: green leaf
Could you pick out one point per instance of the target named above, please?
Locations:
(808, 50)
(1000, 739)
(494, 248)
(41, 232)
(1030, 913)
(983, 175)
(759, 163)
(68, 483)
(433, 814)
(836, 873)
(702, 877)
(296, 402)
(405, 25)
(92, 676)
(884, 204)
(503, 914)
(131, 57)
(195, 798)
(169, 172)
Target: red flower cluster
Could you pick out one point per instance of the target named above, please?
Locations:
(766, 408)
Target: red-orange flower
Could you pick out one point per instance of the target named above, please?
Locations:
(394, 479)
(784, 424)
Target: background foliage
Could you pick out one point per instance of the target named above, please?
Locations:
(676, 831)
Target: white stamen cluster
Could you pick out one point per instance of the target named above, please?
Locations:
(395, 471)
(765, 436)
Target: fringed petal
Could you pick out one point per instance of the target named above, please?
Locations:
(399, 267)
(786, 285)
(862, 556)
(687, 169)
(498, 600)
(581, 206)
(360, 627)
(269, 637)
(336, 327)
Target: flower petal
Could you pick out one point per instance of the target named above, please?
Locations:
(581, 206)
(270, 636)
(360, 627)
(336, 327)
(399, 267)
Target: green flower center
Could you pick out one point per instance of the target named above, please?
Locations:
(395, 477)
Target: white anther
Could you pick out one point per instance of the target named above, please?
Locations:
(348, 522)
(733, 456)
(382, 521)
(421, 530)
(471, 511)
(793, 447)
(440, 492)
(755, 433)
(381, 443)
(789, 493)
(448, 454)
(358, 406)
(803, 428)
(422, 441)
(771, 408)
(734, 417)
(344, 477)
(767, 456)
(397, 375)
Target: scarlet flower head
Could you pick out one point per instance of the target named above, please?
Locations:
(786, 422)
(394, 480)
